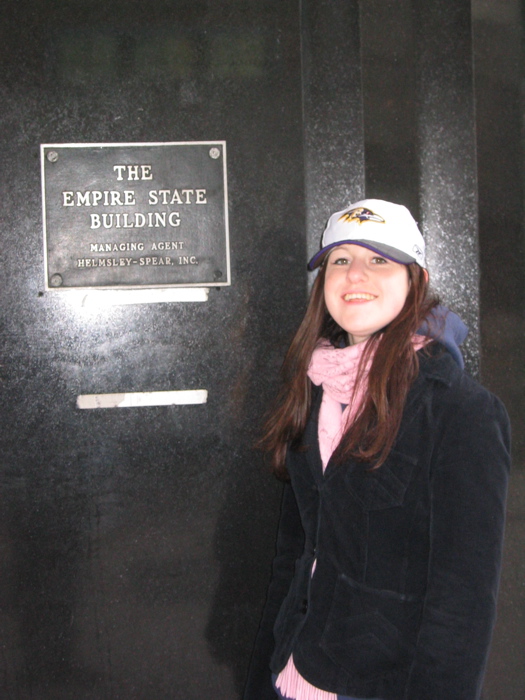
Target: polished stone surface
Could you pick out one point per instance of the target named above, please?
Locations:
(128, 535)
(136, 543)
(498, 53)
(332, 111)
(418, 101)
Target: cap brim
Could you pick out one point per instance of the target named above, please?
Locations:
(385, 250)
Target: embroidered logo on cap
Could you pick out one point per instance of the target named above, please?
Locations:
(360, 215)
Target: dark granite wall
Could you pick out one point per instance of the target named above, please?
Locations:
(136, 543)
(500, 80)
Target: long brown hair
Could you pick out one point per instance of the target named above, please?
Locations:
(394, 367)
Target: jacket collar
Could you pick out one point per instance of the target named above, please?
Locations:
(310, 436)
(436, 363)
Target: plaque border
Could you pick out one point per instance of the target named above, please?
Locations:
(63, 290)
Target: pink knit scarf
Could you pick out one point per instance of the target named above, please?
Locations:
(335, 369)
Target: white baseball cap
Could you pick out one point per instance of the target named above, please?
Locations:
(384, 227)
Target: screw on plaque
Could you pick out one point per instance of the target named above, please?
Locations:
(56, 281)
(217, 275)
(52, 156)
(215, 153)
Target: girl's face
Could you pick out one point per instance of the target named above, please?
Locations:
(363, 291)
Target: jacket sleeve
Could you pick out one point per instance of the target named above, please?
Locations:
(468, 487)
(290, 544)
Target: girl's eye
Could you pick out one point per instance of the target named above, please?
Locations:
(340, 261)
(378, 260)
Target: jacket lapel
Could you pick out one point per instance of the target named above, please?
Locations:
(310, 440)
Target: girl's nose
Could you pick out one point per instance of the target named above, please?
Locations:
(356, 269)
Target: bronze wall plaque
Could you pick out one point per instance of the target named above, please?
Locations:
(135, 215)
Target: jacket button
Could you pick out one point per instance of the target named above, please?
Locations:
(304, 606)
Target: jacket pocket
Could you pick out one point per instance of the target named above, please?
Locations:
(384, 487)
(370, 632)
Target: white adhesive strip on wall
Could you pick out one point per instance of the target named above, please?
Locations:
(146, 398)
(116, 297)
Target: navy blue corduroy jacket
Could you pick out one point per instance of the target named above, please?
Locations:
(402, 602)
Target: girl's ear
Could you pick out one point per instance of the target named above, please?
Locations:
(425, 272)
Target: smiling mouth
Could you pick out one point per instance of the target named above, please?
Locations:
(359, 295)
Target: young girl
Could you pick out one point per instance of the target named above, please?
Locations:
(389, 545)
